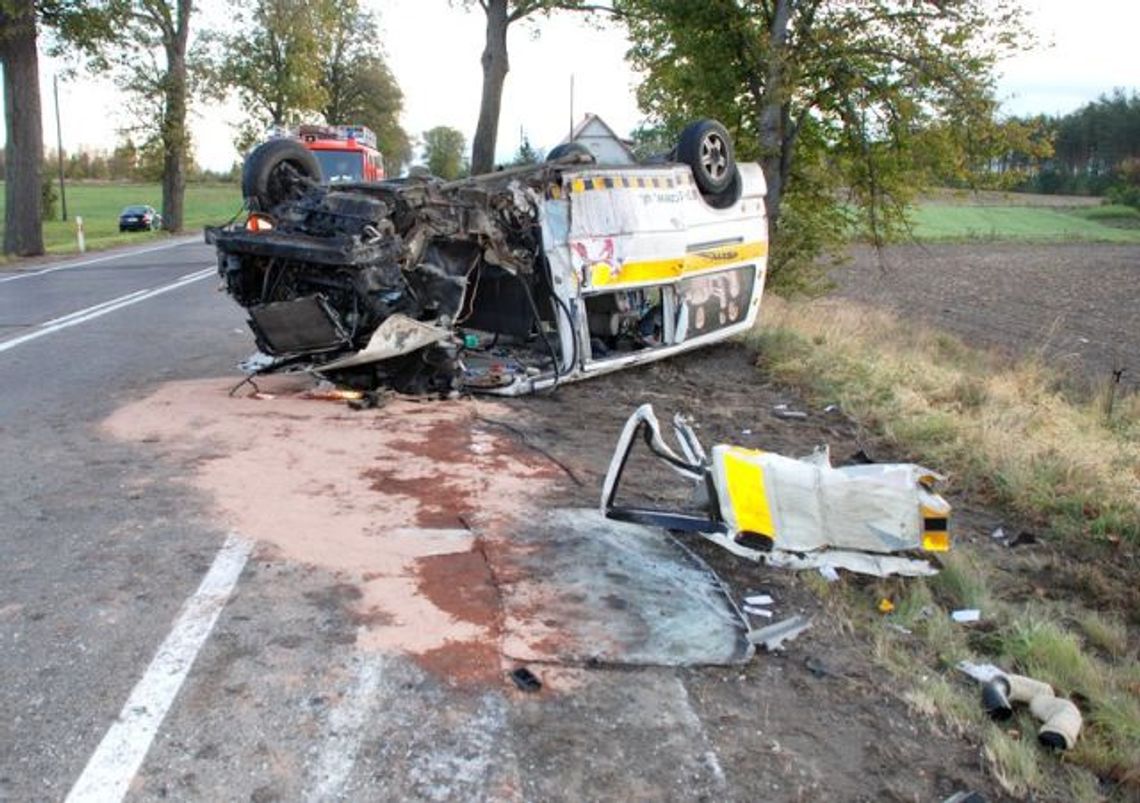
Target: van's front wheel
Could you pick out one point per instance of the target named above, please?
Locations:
(276, 171)
(706, 147)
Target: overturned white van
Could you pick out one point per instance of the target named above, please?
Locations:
(505, 283)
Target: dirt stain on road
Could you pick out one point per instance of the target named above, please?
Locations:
(384, 498)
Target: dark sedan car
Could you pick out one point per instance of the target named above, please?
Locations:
(139, 218)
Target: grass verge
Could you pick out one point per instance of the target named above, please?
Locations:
(1004, 431)
(941, 222)
(99, 204)
(1007, 435)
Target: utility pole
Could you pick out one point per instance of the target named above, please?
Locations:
(59, 148)
(570, 136)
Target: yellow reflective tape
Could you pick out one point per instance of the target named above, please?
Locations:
(603, 275)
(936, 541)
(598, 183)
(664, 270)
(578, 185)
(746, 495)
(724, 255)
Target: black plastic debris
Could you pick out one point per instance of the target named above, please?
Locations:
(1023, 538)
(526, 680)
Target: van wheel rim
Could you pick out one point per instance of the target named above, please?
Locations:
(714, 155)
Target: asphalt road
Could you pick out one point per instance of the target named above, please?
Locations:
(93, 572)
(144, 658)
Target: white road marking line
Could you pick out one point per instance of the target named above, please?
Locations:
(107, 258)
(71, 315)
(99, 310)
(346, 730)
(693, 720)
(118, 757)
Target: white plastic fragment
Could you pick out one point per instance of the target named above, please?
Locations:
(758, 599)
(767, 614)
(983, 673)
(998, 534)
(829, 574)
(773, 636)
(790, 414)
(966, 615)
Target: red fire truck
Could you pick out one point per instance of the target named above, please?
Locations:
(346, 153)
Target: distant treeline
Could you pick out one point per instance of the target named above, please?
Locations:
(1095, 151)
(127, 162)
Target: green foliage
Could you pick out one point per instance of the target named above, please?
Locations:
(49, 197)
(1095, 150)
(844, 104)
(443, 152)
(271, 57)
(526, 154)
(359, 88)
(1125, 196)
(301, 61)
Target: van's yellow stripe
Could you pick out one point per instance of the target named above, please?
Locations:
(663, 270)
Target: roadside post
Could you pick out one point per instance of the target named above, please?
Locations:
(79, 233)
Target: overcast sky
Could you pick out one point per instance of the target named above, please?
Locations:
(1085, 48)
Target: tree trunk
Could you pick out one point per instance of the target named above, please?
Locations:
(495, 69)
(175, 139)
(24, 153)
(773, 115)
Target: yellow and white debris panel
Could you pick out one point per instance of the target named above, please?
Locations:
(879, 518)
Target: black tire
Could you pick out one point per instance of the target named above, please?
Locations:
(277, 171)
(571, 149)
(729, 196)
(706, 148)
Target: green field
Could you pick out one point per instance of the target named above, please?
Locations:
(99, 204)
(960, 222)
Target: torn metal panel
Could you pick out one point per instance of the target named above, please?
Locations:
(395, 336)
(793, 513)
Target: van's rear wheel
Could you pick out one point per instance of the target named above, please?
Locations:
(566, 149)
(706, 147)
(277, 171)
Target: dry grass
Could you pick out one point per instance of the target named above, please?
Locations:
(1006, 433)
(1105, 632)
(1016, 762)
(1003, 430)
